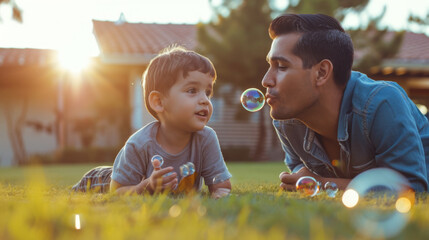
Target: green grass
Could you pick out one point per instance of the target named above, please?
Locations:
(35, 203)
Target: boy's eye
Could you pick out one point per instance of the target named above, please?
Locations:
(191, 90)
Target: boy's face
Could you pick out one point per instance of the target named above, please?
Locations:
(187, 105)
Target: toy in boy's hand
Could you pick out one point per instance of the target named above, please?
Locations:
(157, 162)
(186, 184)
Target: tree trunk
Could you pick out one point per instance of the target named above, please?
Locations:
(15, 132)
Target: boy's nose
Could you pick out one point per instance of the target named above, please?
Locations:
(204, 99)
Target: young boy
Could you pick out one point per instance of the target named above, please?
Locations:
(178, 85)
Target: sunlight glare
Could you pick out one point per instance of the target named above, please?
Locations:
(77, 222)
(73, 60)
(350, 198)
(403, 205)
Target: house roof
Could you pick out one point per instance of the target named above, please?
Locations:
(412, 57)
(136, 43)
(27, 57)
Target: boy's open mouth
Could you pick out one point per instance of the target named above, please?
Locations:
(202, 113)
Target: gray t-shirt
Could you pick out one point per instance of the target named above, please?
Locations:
(133, 162)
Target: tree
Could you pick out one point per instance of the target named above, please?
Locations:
(237, 42)
(16, 11)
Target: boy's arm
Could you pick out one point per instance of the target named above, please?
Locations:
(220, 189)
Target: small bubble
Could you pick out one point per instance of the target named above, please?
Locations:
(308, 186)
(191, 168)
(252, 99)
(157, 161)
(331, 189)
(184, 170)
(219, 178)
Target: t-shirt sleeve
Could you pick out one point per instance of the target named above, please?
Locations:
(129, 166)
(213, 164)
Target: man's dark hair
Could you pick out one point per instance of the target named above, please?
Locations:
(322, 38)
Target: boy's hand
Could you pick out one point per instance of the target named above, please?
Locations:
(158, 182)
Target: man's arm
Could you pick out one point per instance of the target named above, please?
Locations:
(288, 180)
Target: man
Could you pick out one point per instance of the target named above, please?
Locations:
(334, 123)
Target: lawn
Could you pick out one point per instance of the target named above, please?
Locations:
(36, 203)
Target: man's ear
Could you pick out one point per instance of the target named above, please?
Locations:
(324, 72)
(155, 101)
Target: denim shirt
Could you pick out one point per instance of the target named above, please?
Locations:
(378, 126)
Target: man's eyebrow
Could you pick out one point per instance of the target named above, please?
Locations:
(277, 58)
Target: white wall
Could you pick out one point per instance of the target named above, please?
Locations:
(40, 109)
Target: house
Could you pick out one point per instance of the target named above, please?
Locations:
(409, 68)
(46, 110)
(28, 106)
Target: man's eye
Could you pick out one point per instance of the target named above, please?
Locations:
(281, 67)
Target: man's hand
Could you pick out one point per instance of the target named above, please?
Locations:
(288, 180)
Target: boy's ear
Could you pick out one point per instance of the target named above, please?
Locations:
(155, 101)
(324, 71)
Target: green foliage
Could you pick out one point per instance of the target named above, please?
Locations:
(238, 43)
(39, 207)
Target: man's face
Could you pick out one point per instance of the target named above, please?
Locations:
(290, 88)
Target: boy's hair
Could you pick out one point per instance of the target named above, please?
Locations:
(322, 38)
(163, 71)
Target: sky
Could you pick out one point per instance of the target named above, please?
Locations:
(66, 25)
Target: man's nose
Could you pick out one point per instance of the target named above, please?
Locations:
(267, 80)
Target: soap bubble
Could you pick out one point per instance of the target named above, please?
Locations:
(252, 99)
(219, 178)
(184, 170)
(154, 160)
(331, 189)
(191, 168)
(381, 187)
(308, 186)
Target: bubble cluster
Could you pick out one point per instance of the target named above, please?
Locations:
(307, 186)
(191, 168)
(331, 189)
(380, 186)
(184, 170)
(252, 99)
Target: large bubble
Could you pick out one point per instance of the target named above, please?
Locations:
(384, 198)
(307, 186)
(252, 99)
